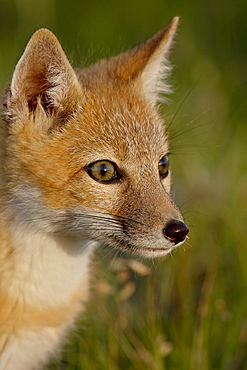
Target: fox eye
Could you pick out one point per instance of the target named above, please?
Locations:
(164, 166)
(103, 171)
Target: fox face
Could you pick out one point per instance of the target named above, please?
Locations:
(87, 155)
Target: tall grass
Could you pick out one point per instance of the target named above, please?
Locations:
(189, 310)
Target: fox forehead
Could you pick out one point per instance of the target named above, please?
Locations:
(121, 130)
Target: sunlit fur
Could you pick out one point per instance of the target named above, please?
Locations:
(52, 213)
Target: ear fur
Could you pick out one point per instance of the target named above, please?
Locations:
(43, 72)
(44, 77)
(156, 72)
(147, 64)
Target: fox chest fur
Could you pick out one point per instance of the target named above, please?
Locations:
(84, 161)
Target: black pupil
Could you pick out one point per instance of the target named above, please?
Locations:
(104, 168)
(164, 166)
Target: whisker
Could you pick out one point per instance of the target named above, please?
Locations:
(63, 217)
(99, 218)
(183, 101)
(183, 132)
(188, 200)
(9, 257)
(18, 247)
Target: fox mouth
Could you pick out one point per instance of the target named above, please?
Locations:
(159, 252)
(128, 235)
(140, 250)
(154, 252)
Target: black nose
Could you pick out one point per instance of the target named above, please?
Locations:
(176, 231)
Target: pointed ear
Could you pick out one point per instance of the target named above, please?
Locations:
(44, 74)
(148, 66)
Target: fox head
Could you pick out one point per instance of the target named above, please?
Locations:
(86, 152)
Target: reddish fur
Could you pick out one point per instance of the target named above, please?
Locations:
(57, 123)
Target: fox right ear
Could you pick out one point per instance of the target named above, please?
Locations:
(44, 72)
(147, 64)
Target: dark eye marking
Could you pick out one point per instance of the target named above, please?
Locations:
(164, 167)
(103, 171)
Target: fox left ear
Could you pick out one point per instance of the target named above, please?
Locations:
(147, 64)
(44, 75)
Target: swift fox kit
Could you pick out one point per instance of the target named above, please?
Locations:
(84, 160)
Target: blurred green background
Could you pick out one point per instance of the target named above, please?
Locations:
(188, 311)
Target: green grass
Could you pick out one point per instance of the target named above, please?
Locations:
(189, 310)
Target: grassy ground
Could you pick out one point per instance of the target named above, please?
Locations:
(188, 311)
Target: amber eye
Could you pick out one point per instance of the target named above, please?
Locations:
(103, 171)
(164, 166)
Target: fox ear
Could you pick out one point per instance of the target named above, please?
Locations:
(44, 73)
(147, 64)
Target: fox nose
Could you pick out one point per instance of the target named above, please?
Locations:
(176, 231)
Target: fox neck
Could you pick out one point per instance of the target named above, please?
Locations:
(46, 269)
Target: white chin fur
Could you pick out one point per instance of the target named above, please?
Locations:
(156, 252)
(153, 252)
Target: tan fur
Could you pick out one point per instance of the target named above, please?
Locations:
(52, 211)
